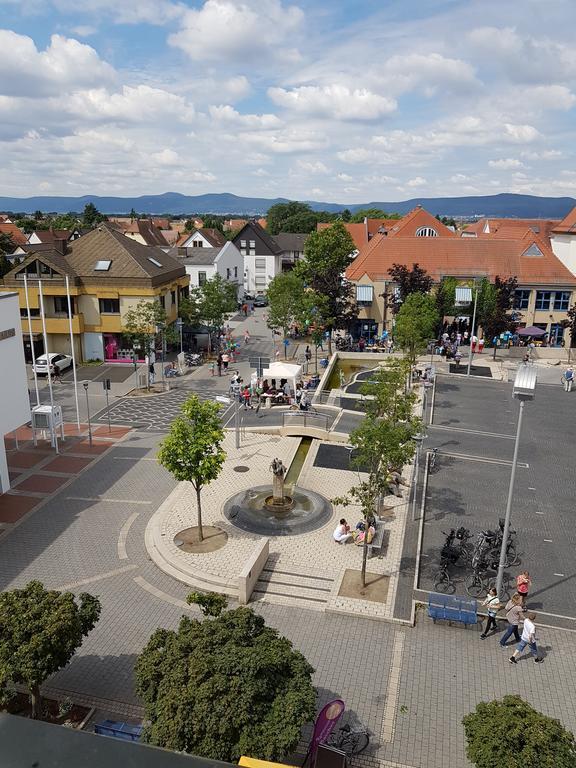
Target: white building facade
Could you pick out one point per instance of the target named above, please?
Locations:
(205, 263)
(14, 398)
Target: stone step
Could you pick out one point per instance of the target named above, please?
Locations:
(302, 588)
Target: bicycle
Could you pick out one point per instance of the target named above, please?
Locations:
(442, 581)
(475, 586)
(352, 741)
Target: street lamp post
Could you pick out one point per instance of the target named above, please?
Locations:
(472, 329)
(523, 390)
(227, 401)
(418, 440)
(85, 385)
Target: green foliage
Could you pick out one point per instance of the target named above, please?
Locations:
(448, 221)
(373, 213)
(286, 301)
(213, 222)
(40, 630)
(386, 393)
(216, 299)
(141, 323)
(290, 217)
(346, 215)
(5, 265)
(511, 734)
(225, 687)
(445, 298)
(570, 323)
(495, 304)
(192, 450)
(415, 280)
(416, 324)
(92, 215)
(327, 254)
(210, 603)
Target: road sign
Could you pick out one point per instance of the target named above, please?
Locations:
(259, 363)
(106, 384)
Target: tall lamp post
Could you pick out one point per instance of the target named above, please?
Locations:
(464, 296)
(85, 385)
(524, 389)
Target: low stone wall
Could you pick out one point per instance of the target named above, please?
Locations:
(252, 569)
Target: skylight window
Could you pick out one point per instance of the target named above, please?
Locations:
(156, 263)
(102, 266)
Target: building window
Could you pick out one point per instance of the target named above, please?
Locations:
(34, 312)
(543, 299)
(252, 252)
(162, 301)
(201, 278)
(235, 272)
(109, 306)
(426, 232)
(521, 299)
(227, 273)
(562, 300)
(197, 244)
(184, 292)
(252, 243)
(61, 305)
(260, 265)
(242, 243)
(173, 295)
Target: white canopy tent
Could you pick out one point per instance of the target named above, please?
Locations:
(278, 371)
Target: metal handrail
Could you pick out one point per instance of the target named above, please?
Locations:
(305, 418)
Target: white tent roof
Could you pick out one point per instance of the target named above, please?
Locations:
(282, 371)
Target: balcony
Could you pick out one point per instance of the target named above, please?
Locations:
(58, 324)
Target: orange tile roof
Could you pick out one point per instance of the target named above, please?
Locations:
(18, 237)
(463, 257)
(418, 217)
(512, 227)
(568, 223)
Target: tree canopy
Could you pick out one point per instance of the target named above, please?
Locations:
(92, 215)
(209, 303)
(327, 254)
(40, 630)
(225, 687)
(415, 280)
(192, 450)
(286, 298)
(142, 323)
(295, 217)
(495, 306)
(416, 324)
(373, 213)
(511, 734)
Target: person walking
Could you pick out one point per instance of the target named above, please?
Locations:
(219, 363)
(225, 360)
(246, 336)
(493, 605)
(568, 379)
(528, 639)
(514, 615)
(523, 583)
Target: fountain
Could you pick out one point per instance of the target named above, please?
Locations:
(257, 511)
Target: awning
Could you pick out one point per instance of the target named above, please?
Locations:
(532, 330)
(364, 293)
(463, 296)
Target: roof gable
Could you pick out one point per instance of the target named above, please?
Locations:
(568, 223)
(265, 244)
(416, 220)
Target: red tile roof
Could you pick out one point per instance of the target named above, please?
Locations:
(568, 223)
(18, 237)
(418, 217)
(463, 257)
(511, 227)
(356, 231)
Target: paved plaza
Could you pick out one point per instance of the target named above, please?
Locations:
(409, 686)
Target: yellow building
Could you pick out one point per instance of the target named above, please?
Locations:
(108, 274)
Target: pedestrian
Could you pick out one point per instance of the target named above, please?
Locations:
(514, 615)
(246, 336)
(225, 360)
(308, 353)
(493, 605)
(528, 639)
(219, 363)
(568, 379)
(523, 582)
(151, 373)
(246, 398)
(55, 373)
(361, 344)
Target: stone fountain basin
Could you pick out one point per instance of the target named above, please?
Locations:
(249, 511)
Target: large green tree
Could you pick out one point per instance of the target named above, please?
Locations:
(511, 734)
(40, 630)
(446, 297)
(225, 687)
(382, 443)
(143, 323)
(327, 255)
(286, 298)
(290, 217)
(495, 306)
(373, 213)
(415, 280)
(192, 450)
(92, 215)
(416, 324)
(210, 303)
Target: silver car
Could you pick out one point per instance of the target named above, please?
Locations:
(56, 360)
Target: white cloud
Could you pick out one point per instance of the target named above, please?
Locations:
(228, 30)
(84, 30)
(65, 64)
(286, 141)
(337, 102)
(156, 12)
(227, 115)
(139, 104)
(166, 157)
(432, 72)
(418, 181)
(353, 156)
(345, 177)
(505, 164)
(315, 167)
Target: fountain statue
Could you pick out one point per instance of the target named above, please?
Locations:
(278, 470)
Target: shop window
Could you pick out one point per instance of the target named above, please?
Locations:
(109, 306)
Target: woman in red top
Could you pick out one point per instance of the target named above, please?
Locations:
(523, 583)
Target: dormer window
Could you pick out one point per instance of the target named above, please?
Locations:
(426, 232)
(103, 265)
(156, 263)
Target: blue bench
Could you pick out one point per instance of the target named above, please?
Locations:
(118, 730)
(452, 608)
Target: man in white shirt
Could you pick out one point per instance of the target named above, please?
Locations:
(528, 639)
(342, 533)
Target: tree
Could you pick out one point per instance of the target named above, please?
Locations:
(570, 323)
(416, 324)
(382, 443)
(448, 221)
(40, 630)
(346, 215)
(327, 254)
(290, 217)
(210, 603)
(143, 323)
(446, 297)
(495, 306)
(215, 299)
(511, 734)
(415, 280)
(286, 300)
(193, 451)
(214, 222)
(225, 687)
(92, 215)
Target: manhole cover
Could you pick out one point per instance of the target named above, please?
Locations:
(241, 468)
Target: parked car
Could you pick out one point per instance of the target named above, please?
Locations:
(260, 301)
(62, 362)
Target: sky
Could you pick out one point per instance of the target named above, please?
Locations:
(330, 100)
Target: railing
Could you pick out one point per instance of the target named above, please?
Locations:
(305, 419)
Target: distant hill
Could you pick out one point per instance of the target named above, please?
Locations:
(504, 205)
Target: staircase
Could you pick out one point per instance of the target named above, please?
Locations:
(308, 590)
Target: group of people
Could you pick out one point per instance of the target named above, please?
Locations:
(344, 533)
(516, 613)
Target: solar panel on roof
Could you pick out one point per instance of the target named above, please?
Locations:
(103, 265)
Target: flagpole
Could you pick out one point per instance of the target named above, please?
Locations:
(54, 432)
(73, 352)
(31, 340)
